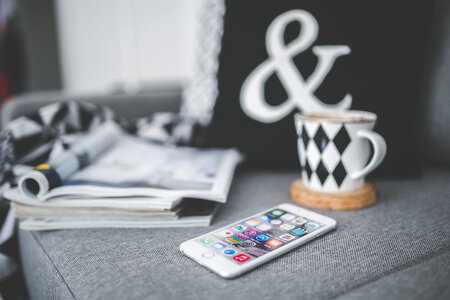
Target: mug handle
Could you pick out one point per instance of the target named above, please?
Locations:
(379, 151)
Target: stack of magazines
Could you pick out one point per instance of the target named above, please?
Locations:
(129, 183)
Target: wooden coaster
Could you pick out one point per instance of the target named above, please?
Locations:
(363, 197)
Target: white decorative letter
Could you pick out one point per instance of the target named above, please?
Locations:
(300, 91)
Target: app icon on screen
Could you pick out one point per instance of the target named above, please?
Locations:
(287, 237)
(218, 246)
(277, 212)
(225, 233)
(252, 222)
(262, 238)
(286, 226)
(207, 240)
(241, 257)
(247, 244)
(239, 227)
(265, 218)
(276, 222)
(310, 226)
(263, 227)
(287, 217)
(298, 231)
(276, 232)
(299, 221)
(273, 243)
(250, 232)
(229, 251)
(236, 239)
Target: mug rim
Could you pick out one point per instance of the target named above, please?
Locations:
(369, 117)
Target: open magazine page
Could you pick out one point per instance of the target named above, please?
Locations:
(95, 202)
(134, 167)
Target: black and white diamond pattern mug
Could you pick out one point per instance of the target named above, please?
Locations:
(334, 149)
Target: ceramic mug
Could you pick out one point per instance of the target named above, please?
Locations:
(334, 149)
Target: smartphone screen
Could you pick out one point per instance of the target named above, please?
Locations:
(257, 236)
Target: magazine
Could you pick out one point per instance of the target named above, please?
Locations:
(132, 183)
(137, 168)
(72, 202)
(193, 213)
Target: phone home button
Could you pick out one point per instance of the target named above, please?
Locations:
(208, 254)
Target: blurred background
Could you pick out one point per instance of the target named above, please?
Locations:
(103, 49)
(87, 47)
(99, 46)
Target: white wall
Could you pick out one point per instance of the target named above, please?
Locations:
(106, 42)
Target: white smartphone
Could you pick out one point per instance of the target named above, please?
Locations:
(239, 247)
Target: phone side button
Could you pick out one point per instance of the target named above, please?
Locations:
(208, 254)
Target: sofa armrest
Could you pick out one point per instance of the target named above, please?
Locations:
(164, 98)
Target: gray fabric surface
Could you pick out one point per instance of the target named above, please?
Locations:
(434, 115)
(408, 225)
(427, 280)
(43, 279)
(7, 266)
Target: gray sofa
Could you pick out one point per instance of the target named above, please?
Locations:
(396, 249)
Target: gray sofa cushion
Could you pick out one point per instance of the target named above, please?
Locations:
(407, 226)
(7, 266)
(43, 279)
(426, 280)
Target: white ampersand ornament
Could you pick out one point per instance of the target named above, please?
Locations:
(300, 91)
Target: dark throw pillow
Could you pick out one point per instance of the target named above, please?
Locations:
(281, 57)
